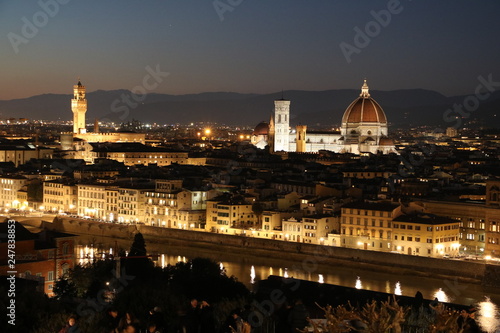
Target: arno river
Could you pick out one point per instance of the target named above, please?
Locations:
(250, 269)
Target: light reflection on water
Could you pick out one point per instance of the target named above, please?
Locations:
(241, 268)
(397, 289)
(358, 284)
(487, 316)
(441, 296)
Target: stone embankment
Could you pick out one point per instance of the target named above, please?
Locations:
(305, 254)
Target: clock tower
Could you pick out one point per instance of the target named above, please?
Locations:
(79, 108)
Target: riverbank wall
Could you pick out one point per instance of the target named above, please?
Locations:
(307, 256)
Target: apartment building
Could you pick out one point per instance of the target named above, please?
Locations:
(60, 195)
(222, 215)
(9, 187)
(368, 225)
(424, 234)
(98, 200)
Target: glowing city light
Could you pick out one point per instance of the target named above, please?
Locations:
(358, 284)
(397, 289)
(487, 316)
(441, 296)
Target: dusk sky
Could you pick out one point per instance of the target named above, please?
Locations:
(255, 47)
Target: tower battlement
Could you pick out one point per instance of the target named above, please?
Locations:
(79, 108)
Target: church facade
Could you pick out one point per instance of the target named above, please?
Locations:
(363, 130)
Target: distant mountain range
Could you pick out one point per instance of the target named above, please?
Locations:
(313, 108)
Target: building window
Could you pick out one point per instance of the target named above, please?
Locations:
(50, 276)
(65, 268)
(65, 248)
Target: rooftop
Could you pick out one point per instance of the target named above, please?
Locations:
(425, 218)
(378, 206)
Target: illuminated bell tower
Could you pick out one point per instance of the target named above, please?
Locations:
(281, 125)
(301, 138)
(79, 108)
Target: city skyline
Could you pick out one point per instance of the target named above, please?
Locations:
(219, 150)
(246, 47)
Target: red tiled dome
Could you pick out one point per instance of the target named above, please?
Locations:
(364, 109)
(261, 129)
(386, 142)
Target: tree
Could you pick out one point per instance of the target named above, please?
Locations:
(257, 209)
(138, 247)
(64, 288)
(35, 191)
(137, 262)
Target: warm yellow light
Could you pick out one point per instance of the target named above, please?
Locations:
(208, 131)
(242, 136)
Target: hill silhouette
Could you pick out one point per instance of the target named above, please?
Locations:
(314, 108)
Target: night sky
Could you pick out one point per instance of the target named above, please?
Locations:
(252, 46)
